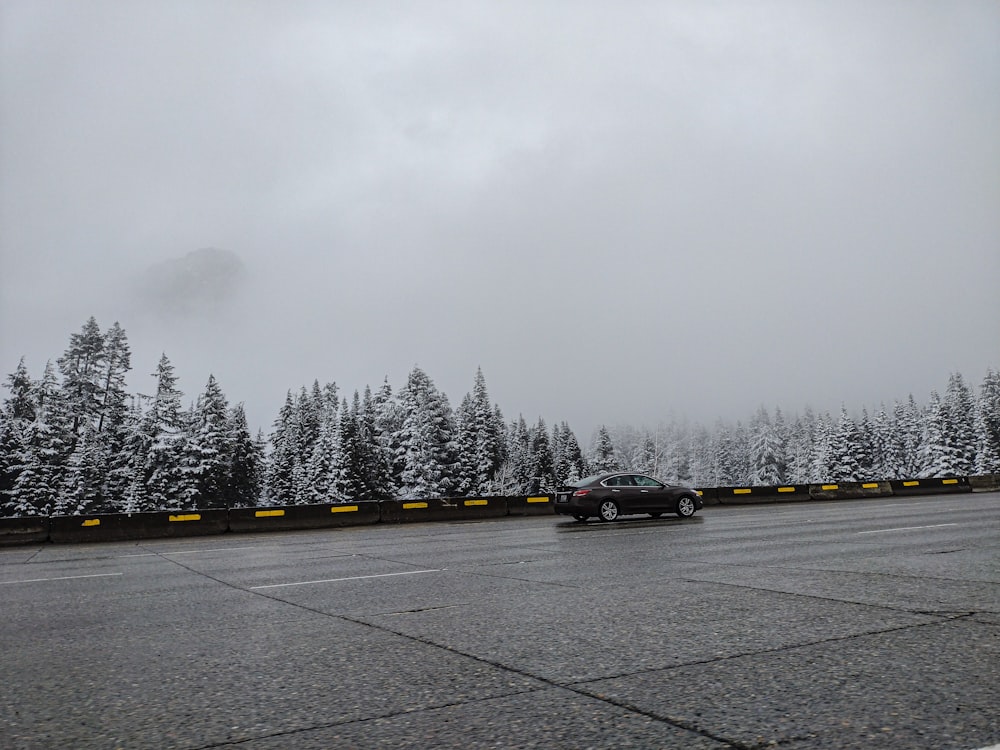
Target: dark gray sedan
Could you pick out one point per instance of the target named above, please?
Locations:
(608, 496)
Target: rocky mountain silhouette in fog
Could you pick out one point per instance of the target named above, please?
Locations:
(201, 281)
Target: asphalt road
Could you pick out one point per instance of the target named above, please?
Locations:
(860, 624)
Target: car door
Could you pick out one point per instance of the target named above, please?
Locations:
(652, 496)
(622, 491)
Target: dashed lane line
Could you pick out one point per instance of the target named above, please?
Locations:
(350, 578)
(908, 528)
(61, 578)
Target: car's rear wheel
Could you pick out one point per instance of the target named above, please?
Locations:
(685, 507)
(608, 510)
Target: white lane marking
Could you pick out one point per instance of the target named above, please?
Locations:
(189, 551)
(62, 578)
(216, 549)
(351, 578)
(908, 528)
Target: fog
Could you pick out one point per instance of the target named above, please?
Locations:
(624, 213)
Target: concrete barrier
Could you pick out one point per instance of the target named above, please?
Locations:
(750, 495)
(289, 517)
(24, 530)
(531, 505)
(442, 509)
(849, 490)
(709, 495)
(985, 483)
(119, 526)
(930, 486)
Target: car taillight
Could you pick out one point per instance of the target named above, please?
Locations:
(581, 493)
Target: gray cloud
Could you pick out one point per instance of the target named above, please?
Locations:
(619, 212)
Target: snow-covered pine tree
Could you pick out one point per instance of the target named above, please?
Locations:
(331, 400)
(560, 462)
(46, 443)
(131, 479)
(479, 441)
(646, 458)
(681, 434)
(542, 471)
(117, 362)
(884, 459)
(465, 447)
(388, 425)
(514, 475)
(209, 450)
(604, 457)
(489, 436)
(799, 448)
(866, 447)
(84, 476)
(284, 458)
(723, 458)
(781, 434)
(377, 473)
(842, 465)
(82, 365)
(310, 405)
(11, 446)
(351, 463)
(578, 468)
(322, 468)
(426, 439)
(822, 449)
(167, 478)
(701, 456)
(958, 411)
(742, 465)
(20, 404)
(909, 437)
(246, 471)
(17, 413)
(934, 458)
(988, 425)
(764, 450)
(113, 420)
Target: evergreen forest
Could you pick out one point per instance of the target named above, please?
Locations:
(73, 440)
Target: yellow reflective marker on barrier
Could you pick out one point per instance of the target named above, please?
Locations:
(870, 486)
(911, 484)
(742, 492)
(268, 513)
(786, 489)
(831, 486)
(949, 481)
(700, 493)
(477, 502)
(186, 517)
(412, 506)
(538, 499)
(92, 522)
(345, 509)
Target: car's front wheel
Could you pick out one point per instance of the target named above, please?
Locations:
(608, 510)
(685, 507)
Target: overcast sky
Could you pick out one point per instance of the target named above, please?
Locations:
(622, 212)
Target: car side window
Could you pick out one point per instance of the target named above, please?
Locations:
(646, 481)
(622, 481)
